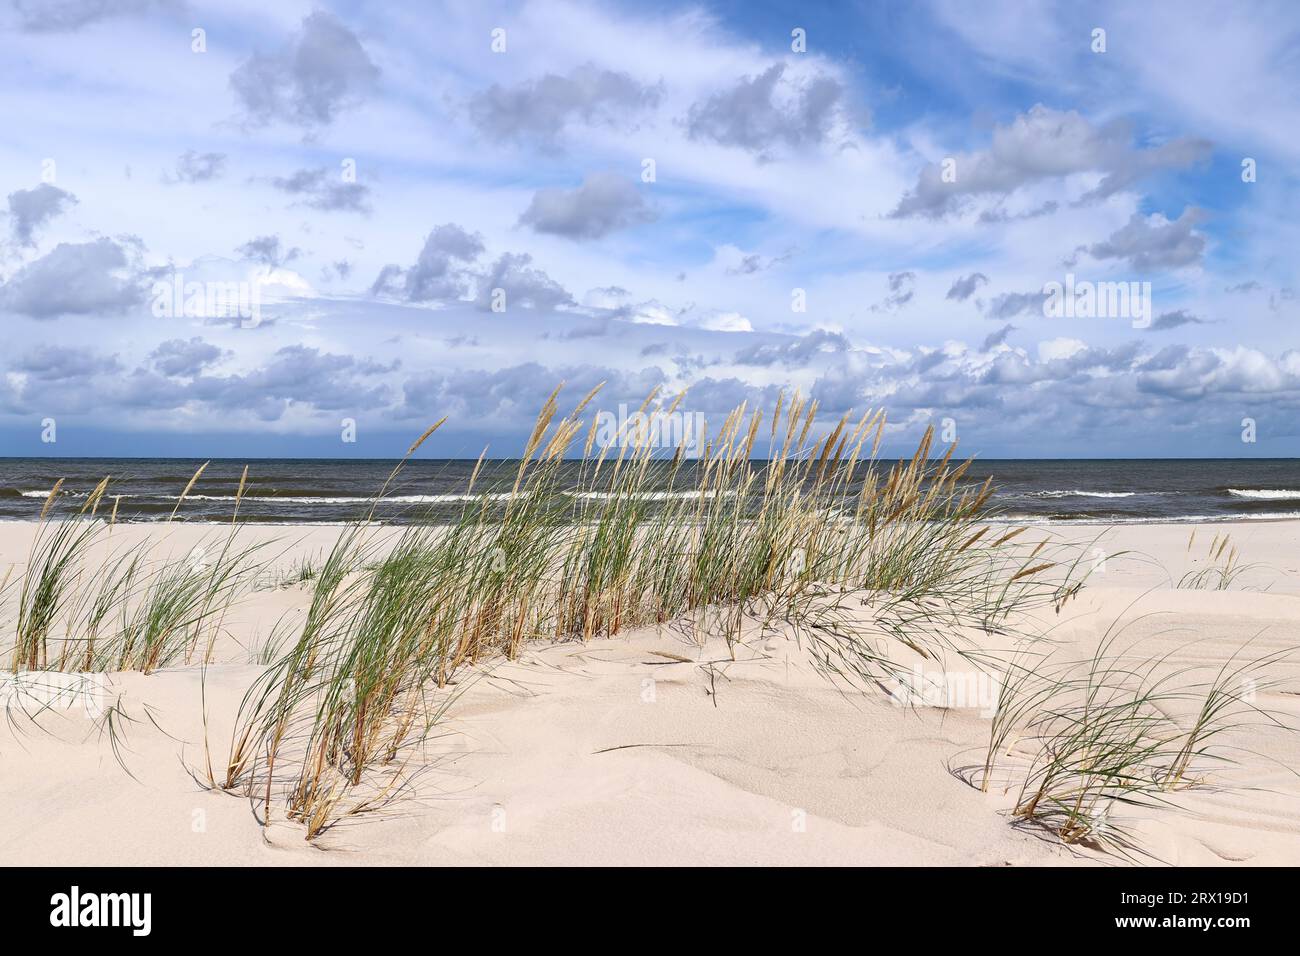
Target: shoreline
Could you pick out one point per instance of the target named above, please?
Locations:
(992, 519)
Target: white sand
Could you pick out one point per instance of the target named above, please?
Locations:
(607, 753)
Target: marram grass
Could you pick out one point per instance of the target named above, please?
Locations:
(134, 610)
(776, 518)
(1086, 739)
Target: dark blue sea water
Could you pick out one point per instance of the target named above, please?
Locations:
(329, 491)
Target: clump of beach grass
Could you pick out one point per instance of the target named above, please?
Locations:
(772, 516)
(1088, 738)
(1220, 567)
(53, 569)
(133, 610)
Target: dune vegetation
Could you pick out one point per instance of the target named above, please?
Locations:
(774, 521)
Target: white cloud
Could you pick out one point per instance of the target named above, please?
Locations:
(774, 172)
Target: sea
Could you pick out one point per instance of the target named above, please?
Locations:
(333, 491)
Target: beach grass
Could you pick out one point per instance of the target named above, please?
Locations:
(791, 533)
(1218, 570)
(132, 608)
(1086, 739)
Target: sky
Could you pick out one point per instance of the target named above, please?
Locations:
(249, 229)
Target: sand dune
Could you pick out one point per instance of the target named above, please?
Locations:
(622, 752)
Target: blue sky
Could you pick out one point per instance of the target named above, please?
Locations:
(422, 225)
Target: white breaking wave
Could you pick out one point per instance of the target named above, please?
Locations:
(434, 499)
(399, 499)
(1163, 519)
(341, 500)
(1084, 494)
(1265, 494)
(108, 495)
(653, 495)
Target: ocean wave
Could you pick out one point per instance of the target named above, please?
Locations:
(389, 499)
(339, 499)
(653, 495)
(1089, 520)
(1266, 494)
(108, 495)
(435, 499)
(1086, 494)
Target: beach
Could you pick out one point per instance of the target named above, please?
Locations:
(667, 744)
(610, 434)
